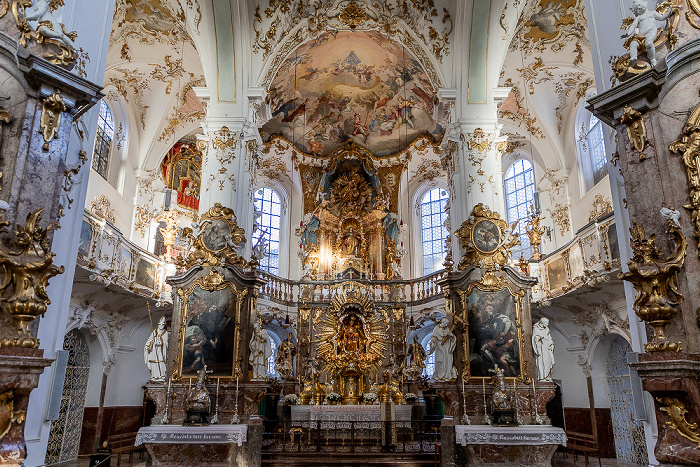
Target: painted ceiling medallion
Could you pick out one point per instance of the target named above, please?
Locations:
(352, 86)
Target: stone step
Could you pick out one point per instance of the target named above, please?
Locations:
(335, 459)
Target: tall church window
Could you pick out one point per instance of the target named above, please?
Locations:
(520, 197)
(103, 140)
(268, 210)
(596, 148)
(433, 231)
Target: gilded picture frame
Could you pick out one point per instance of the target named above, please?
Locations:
(509, 342)
(210, 309)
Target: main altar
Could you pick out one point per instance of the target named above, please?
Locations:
(350, 365)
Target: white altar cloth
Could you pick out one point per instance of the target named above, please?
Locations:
(344, 416)
(178, 434)
(530, 435)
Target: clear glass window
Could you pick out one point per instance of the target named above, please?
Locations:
(268, 206)
(434, 233)
(520, 197)
(596, 148)
(103, 140)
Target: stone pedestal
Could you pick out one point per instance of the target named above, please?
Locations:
(19, 375)
(526, 445)
(211, 446)
(673, 381)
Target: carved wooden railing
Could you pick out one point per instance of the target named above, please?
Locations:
(587, 259)
(112, 259)
(290, 292)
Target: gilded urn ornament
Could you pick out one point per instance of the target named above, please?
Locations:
(26, 264)
(655, 281)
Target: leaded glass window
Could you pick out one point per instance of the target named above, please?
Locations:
(434, 233)
(268, 210)
(596, 148)
(520, 199)
(103, 140)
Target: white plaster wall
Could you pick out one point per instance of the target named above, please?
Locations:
(569, 372)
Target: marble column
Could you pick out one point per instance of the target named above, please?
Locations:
(651, 113)
(39, 166)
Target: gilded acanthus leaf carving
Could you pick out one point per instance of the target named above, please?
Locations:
(486, 239)
(688, 146)
(26, 265)
(655, 281)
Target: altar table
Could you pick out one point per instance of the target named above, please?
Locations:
(176, 445)
(525, 445)
(345, 416)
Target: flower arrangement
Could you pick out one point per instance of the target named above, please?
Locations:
(333, 397)
(410, 398)
(291, 399)
(370, 397)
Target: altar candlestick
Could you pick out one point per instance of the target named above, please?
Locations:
(190, 388)
(218, 380)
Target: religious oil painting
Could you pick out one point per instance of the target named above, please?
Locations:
(556, 274)
(85, 237)
(352, 85)
(493, 333)
(214, 235)
(209, 332)
(576, 261)
(146, 274)
(612, 242)
(487, 236)
(122, 263)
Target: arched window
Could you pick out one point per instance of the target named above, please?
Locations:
(596, 148)
(103, 140)
(268, 211)
(520, 197)
(433, 231)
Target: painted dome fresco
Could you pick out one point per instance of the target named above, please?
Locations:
(356, 86)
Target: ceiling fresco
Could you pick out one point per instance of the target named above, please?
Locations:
(351, 86)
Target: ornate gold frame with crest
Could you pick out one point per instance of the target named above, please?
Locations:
(485, 239)
(213, 282)
(217, 237)
(490, 283)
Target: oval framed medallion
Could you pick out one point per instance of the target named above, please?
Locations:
(486, 236)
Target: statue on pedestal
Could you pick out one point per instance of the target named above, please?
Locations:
(284, 362)
(543, 346)
(198, 402)
(643, 28)
(260, 351)
(155, 350)
(502, 411)
(416, 359)
(443, 343)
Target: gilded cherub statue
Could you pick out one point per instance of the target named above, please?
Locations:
(49, 26)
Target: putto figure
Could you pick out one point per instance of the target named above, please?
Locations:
(644, 25)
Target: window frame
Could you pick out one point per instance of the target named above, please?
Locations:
(440, 225)
(265, 263)
(526, 251)
(103, 158)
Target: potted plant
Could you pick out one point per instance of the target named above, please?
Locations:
(291, 399)
(410, 398)
(370, 398)
(333, 398)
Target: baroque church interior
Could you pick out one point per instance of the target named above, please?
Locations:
(313, 232)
